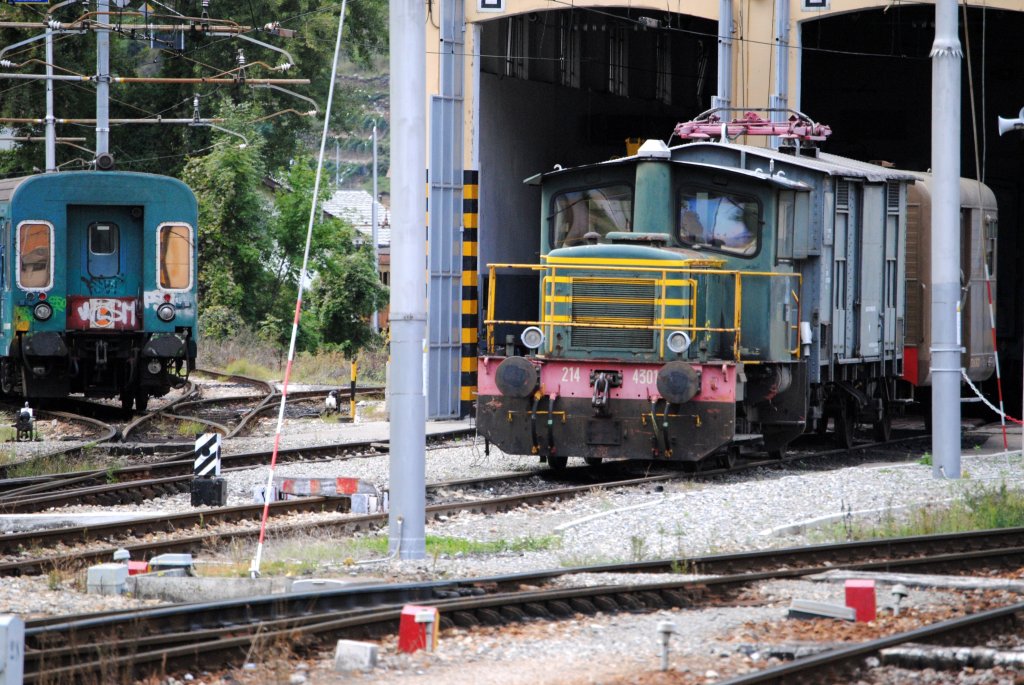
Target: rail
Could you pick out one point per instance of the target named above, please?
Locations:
(614, 303)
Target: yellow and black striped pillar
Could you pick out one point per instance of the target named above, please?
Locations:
(470, 291)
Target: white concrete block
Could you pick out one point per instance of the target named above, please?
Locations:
(352, 655)
(106, 579)
(12, 650)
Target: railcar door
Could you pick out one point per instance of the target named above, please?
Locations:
(104, 268)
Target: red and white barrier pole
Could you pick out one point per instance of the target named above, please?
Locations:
(254, 568)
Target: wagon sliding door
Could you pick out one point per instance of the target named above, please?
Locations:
(104, 267)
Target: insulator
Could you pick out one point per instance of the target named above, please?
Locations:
(54, 24)
(240, 59)
(206, 4)
(6, 63)
(285, 67)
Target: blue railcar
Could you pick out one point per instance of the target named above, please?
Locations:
(696, 301)
(97, 285)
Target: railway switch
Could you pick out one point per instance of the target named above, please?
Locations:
(25, 423)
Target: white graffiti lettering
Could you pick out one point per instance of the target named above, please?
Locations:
(107, 313)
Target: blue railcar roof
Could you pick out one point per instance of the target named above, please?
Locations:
(94, 187)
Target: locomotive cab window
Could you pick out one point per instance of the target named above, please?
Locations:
(35, 255)
(590, 210)
(174, 254)
(104, 250)
(718, 220)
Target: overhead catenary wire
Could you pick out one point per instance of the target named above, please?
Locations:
(254, 569)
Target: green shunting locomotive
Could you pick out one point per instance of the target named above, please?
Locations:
(698, 302)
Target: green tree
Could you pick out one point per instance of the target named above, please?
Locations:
(166, 148)
(343, 297)
(235, 242)
(345, 288)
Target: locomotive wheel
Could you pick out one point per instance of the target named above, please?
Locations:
(592, 461)
(778, 454)
(729, 457)
(558, 463)
(883, 427)
(127, 400)
(846, 423)
(821, 426)
(141, 401)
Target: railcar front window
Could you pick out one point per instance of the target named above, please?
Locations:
(34, 249)
(720, 221)
(175, 255)
(602, 210)
(104, 243)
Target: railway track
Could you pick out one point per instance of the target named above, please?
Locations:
(196, 543)
(187, 636)
(134, 483)
(843, 664)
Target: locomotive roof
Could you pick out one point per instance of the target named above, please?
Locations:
(833, 165)
(759, 175)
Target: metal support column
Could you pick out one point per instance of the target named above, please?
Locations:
(102, 79)
(780, 99)
(406, 518)
(724, 96)
(946, 57)
(51, 122)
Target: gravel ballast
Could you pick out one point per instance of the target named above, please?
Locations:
(761, 508)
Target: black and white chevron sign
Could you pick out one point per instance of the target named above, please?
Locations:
(207, 459)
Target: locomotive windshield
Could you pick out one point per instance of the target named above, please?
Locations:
(719, 221)
(590, 210)
(104, 246)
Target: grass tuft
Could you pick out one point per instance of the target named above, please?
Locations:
(980, 509)
(246, 355)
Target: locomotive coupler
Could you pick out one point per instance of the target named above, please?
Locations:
(603, 382)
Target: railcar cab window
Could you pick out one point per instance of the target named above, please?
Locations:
(601, 210)
(719, 221)
(35, 255)
(104, 247)
(174, 254)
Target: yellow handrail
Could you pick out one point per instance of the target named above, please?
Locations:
(662, 281)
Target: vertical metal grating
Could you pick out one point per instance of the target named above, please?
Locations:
(444, 231)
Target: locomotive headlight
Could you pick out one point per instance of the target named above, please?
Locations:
(678, 341)
(42, 311)
(165, 311)
(154, 366)
(532, 337)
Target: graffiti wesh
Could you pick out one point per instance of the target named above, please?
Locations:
(112, 313)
